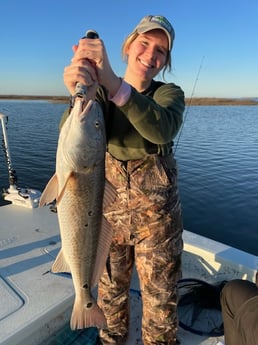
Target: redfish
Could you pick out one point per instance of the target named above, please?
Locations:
(78, 187)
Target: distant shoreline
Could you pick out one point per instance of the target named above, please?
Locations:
(57, 99)
(189, 101)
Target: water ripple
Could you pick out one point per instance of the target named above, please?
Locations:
(218, 174)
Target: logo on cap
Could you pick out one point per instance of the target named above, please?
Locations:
(162, 21)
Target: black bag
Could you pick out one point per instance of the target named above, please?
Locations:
(199, 308)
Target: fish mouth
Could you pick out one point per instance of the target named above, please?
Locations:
(86, 110)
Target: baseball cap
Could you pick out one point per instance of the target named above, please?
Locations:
(149, 23)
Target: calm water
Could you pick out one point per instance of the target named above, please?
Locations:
(217, 155)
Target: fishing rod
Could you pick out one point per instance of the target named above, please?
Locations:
(190, 103)
(11, 172)
(19, 196)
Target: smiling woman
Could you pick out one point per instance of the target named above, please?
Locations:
(142, 118)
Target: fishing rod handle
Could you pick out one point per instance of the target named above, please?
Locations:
(81, 89)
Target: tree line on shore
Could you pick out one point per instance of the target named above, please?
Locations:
(189, 101)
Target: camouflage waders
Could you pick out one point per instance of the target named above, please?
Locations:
(147, 224)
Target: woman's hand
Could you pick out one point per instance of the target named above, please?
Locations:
(80, 71)
(93, 51)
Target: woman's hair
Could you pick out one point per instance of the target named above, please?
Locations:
(130, 39)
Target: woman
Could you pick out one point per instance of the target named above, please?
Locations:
(239, 302)
(143, 117)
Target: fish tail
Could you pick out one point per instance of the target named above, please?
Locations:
(84, 317)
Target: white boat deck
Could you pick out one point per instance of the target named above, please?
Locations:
(35, 304)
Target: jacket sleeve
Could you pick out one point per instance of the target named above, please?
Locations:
(157, 119)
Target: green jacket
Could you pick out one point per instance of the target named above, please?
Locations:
(146, 124)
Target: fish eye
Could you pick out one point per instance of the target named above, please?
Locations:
(97, 124)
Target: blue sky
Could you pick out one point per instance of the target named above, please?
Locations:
(218, 39)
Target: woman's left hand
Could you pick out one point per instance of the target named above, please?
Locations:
(80, 71)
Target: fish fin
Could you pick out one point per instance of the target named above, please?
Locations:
(83, 317)
(105, 239)
(50, 192)
(110, 193)
(62, 188)
(60, 265)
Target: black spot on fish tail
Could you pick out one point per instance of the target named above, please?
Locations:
(89, 305)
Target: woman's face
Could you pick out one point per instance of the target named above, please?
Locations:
(147, 54)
